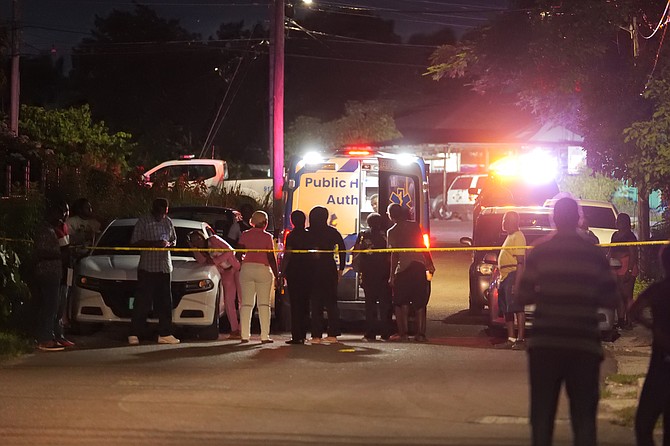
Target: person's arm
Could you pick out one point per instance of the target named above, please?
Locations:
(636, 309)
(342, 252)
(271, 256)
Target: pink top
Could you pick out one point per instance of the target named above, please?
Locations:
(224, 260)
(256, 238)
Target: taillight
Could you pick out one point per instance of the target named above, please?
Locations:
(426, 240)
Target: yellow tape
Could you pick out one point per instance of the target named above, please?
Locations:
(365, 251)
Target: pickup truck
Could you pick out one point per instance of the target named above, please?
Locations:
(213, 172)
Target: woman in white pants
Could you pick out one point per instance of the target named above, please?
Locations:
(259, 270)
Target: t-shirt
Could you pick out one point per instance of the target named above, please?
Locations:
(508, 257)
(299, 264)
(568, 279)
(256, 238)
(406, 234)
(82, 231)
(623, 253)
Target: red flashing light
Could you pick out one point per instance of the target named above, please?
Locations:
(359, 152)
(187, 157)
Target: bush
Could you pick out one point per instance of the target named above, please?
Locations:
(14, 293)
(12, 345)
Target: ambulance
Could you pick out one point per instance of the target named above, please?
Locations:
(352, 183)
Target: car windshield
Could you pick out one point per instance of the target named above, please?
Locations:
(599, 217)
(488, 231)
(119, 237)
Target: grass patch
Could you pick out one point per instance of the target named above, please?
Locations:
(12, 345)
(627, 380)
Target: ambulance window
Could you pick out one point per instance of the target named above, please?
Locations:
(403, 190)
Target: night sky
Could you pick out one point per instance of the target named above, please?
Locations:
(61, 24)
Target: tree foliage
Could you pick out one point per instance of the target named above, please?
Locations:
(363, 123)
(573, 63)
(75, 138)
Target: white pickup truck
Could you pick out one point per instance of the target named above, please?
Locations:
(213, 172)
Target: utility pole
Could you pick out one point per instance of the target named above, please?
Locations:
(277, 108)
(15, 79)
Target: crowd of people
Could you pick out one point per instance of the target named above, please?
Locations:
(566, 276)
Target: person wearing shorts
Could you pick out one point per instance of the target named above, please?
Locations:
(510, 262)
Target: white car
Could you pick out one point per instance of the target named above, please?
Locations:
(462, 195)
(105, 282)
(599, 215)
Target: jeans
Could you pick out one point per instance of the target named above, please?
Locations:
(256, 282)
(49, 289)
(548, 369)
(152, 289)
(298, 291)
(654, 401)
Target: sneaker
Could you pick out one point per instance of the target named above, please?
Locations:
(65, 342)
(168, 340)
(244, 341)
(507, 345)
(235, 335)
(330, 340)
(133, 340)
(50, 346)
(315, 341)
(266, 341)
(295, 342)
(369, 338)
(519, 344)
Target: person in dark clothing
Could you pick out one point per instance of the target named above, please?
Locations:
(568, 279)
(627, 273)
(374, 270)
(326, 275)
(408, 274)
(655, 396)
(297, 269)
(48, 275)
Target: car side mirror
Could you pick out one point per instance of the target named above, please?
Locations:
(491, 257)
(467, 241)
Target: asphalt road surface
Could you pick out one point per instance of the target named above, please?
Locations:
(455, 390)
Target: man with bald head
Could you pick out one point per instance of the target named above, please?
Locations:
(568, 279)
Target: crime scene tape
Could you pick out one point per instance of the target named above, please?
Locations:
(365, 251)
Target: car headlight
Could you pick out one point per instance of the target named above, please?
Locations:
(196, 286)
(485, 269)
(89, 283)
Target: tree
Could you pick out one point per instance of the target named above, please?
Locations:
(572, 63)
(363, 123)
(148, 75)
(75, 138)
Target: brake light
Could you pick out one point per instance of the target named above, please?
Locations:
(426, 240)
(358, 152)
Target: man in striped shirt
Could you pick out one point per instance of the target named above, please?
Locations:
(568, 279)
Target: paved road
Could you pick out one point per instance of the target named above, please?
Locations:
(456, 390)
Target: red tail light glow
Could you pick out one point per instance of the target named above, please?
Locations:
(426, 240)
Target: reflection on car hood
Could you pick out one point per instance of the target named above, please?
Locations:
(124, 267)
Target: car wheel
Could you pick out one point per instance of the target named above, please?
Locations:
(211, 332)
(445, 214)
(475, 306)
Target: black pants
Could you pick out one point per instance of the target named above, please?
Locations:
(152, 289)
(324, 295)
(654, 401)
(378, 309)
(549, 368)
(298, 291)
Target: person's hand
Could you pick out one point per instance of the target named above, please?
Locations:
(431, 268)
